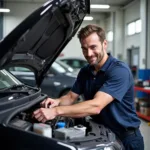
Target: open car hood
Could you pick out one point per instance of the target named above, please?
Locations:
(38, 40)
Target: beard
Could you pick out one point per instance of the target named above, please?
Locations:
(100, 56)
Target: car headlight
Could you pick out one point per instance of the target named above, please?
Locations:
(103, 148)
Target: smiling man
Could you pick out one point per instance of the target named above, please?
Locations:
(107, 85)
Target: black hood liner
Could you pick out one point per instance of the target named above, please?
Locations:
(39, 39)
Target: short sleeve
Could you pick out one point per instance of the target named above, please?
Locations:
(117, 83)
(78, 85)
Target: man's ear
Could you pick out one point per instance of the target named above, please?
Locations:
(105, 44)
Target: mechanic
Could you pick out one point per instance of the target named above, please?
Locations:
(108, 87)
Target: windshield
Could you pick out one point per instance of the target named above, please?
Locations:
(58, 68)
(65, 66)
(7, 80)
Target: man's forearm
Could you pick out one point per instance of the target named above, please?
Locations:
(75, 115)
(66, 100)
(78, 110)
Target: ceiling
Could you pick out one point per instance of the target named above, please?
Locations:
(110, 2)
(114, 4)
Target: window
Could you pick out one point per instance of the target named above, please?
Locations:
(59, 68)
(134, 27)
(110, 36)
(138, 26)
(83, 63)
(7, 80)
(22, 69)
(131, 28)
(76, 64)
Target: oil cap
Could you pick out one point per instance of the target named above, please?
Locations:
(60, 124)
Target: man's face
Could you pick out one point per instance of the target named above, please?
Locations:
(93, 49)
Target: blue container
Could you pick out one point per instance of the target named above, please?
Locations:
(60, 124)
(143, 74)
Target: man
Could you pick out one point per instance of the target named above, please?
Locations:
(107, 85)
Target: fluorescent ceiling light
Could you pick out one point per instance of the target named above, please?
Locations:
(100, 6)
(89, 18)
(4, 10)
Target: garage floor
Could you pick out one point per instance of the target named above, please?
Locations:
(145, 129)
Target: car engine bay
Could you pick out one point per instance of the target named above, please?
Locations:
(81, 132)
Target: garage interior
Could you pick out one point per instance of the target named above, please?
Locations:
(127, 27)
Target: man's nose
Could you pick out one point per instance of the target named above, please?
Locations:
(89, 53)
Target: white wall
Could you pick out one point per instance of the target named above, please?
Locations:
(148, 35)
(119, 35)
(109, 27)
(143, 43)
(19, 11)
(115, 23)
(131, 13)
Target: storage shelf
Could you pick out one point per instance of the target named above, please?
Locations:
(141, 89)
(143, 116)
(136, 88)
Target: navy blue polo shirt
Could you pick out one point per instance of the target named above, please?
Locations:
(115, 79)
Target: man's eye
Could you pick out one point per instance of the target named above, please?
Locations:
(93, 47)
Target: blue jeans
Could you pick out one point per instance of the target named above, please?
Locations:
(134, 141)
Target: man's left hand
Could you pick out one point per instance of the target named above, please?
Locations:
(44, 114)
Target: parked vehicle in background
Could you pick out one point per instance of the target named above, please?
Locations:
(75, 62)
(65, 66)
(56, 83)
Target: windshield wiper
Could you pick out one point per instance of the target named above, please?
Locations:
(14, 91)
(11, 87)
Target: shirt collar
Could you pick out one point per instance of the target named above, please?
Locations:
(106, 64)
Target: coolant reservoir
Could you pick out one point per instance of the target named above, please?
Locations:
(70, 133)
(81, 127)
(42, 129)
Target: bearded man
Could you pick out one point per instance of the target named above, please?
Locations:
(108, 88)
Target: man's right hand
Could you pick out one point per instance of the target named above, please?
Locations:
(50, 103)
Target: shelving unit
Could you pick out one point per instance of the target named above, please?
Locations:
(141, 89)
(136, 88)
(143, 116)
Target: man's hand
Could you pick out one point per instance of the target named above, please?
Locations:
(44, 114)
(50, 103)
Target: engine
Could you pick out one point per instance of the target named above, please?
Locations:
(82, 132)
(62, 128)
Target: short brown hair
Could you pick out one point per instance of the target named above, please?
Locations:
(89, 29)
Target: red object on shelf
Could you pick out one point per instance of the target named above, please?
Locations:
(136, 88)
(143, 116)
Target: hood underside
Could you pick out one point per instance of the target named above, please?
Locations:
(38, 40)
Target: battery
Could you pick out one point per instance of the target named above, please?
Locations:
(43, 129)
(24, 125)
